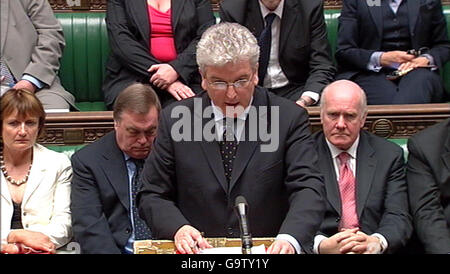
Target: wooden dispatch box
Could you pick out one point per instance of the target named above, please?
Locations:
(168, 247)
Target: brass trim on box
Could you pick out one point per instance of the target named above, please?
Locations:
(168, 247)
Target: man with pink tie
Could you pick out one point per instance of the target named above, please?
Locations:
(367, 205)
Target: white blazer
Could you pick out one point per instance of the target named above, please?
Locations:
(46, 201)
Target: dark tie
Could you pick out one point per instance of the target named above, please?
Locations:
(228, 147)
(141, 230)
(264, 44)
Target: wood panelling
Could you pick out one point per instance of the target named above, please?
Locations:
(388, 121)
(99, 5)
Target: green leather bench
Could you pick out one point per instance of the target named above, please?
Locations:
(82, 65)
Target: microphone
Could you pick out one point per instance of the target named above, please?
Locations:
(241, 208)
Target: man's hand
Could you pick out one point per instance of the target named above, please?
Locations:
(188, 240)
(33, 239)
(163, 75)
(392, 57)
(364, 244)
(25, 84)
(336, 244)
(281, 247)
(415, 63)
(180, 91)
(305, 101)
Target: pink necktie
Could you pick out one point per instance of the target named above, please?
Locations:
(349, 217)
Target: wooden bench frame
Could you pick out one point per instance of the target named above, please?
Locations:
(389, 121)
(100, 5)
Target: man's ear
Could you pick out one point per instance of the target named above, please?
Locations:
(204, 82)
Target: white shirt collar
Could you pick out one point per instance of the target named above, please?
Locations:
(278, 11)
(336, 151)
(218, 115)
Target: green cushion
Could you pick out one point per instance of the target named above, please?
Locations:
(66, 149)
(83, 63)
(403, 143)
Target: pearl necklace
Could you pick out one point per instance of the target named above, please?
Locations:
(9, 178)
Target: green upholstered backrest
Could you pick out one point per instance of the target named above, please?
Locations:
(403, 143)
(69, 150)
(331, 19)
(83, 63)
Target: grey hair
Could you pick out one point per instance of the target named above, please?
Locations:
(362, 95)
(227, 43)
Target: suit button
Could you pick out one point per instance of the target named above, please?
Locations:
(26, 226)
(128, 231)
(338, 220)
(24, 214)
(230, 231)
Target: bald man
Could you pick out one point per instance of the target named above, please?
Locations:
(367, 205)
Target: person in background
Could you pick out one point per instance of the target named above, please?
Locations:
(106, 176)
(367, 208)
(153, 42)
(428, 177)
(295, 60)
(376, 38)
(35, 181)
(32, 43)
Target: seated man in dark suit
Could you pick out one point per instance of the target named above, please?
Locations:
(376, 38)
(199, 165)
(428, 177)
(105, 176)
(295, 60)
(367, 209)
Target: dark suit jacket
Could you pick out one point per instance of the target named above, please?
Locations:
(360, 33)
(129, 37)
(428, 177)
(381, 198)
(100, 197)
(184, 182)
(304, 52)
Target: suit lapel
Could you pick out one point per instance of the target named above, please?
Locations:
(365, 169)
(139, 9)
(331, 182)
(377, 17)
(4, 12)
(211, 149)
(247, 147)
(291, 15)
(114, 168)
(446, 157)
(177, 8)
(255, 21)
(37, 173)
(413, 14)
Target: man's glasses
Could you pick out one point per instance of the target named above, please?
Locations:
(223, 86)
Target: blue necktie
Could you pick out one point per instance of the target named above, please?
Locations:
(141, 230)
(265, 41)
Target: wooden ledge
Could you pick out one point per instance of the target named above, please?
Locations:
(388, 121)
